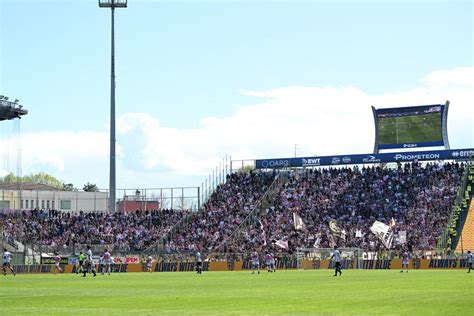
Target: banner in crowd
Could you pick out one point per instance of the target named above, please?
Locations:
(282, 244)
(383, 232)
(451, 154)
(401, 238)
(336, 229)
(298, 221)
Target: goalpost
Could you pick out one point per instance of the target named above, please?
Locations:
(317, 254)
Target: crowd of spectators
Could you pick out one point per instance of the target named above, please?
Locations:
(417, 197)
(222, 214)
(126, 231)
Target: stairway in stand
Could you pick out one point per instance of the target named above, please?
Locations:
(467, 231)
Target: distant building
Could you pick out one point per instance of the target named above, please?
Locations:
(132, 203)
(27, 195)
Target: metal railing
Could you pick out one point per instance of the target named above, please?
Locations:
(254, 213)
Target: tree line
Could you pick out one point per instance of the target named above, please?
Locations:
(47, 179)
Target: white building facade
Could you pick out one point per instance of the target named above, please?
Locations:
(68, 201)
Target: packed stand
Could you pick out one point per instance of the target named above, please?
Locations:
(418, 198)
(126, 231)
(222, 214)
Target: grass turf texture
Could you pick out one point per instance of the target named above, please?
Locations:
(410, 129)
(284, 292)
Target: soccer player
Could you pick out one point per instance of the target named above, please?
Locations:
(149, 263)
(107, 261)
(7, 258)
(268, 262)
(57, 261)
(198, 263)
(89, 264)
(469, 261)
(337, 261)
(405, 261)
(255, 262)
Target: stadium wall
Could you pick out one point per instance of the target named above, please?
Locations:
(384, 264)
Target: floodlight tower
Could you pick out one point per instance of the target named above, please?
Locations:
(112, 4)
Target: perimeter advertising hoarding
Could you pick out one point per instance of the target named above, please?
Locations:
(278, 163)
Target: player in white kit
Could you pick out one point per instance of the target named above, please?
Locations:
(7, 258)
(149, 263)
(57, 262)
(89, 264)
(107, 259)
(405, 261)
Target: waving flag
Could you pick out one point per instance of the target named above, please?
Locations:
(335, 229)
(392, 222)
(298, 221)
(383, 232)
(263, 235)
(282, 244)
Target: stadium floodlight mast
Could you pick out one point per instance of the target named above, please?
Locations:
(112, 4)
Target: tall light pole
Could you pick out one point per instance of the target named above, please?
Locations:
(112, 4)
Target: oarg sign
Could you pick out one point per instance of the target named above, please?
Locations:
(335, 160)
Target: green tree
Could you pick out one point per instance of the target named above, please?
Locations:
(40, 177)
(90, 187)
(68, 187)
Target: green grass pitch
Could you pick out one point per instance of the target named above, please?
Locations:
(410, 129)
(361, 292)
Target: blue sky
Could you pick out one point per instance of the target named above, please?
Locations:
(180, 63)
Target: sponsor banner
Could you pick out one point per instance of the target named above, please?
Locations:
(114, 268)
(50, 260)
(452, 154)
(174, 266)
(72, 260)
(281, 264)
(132, 259)
(119, 260)
(412, 145)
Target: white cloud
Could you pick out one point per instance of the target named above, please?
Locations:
(321, 120)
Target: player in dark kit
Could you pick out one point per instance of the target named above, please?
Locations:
(198, 263)
(337, 261)
(469, 261)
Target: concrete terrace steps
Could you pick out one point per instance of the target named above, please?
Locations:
(467, 234)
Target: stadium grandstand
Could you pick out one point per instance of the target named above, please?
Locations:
(426, 202)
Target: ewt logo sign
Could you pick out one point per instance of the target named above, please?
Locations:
(311, 162)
